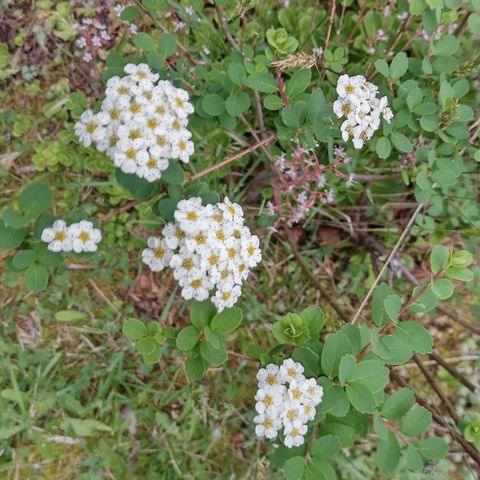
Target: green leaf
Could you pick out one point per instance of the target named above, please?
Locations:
(187, 338)
(426, 302)
(414, 336)
(70, 316)
(326, 447)
(144, 41)
(416, 421)
(382, 67)
(442, 288)
(167, 45)
(263, 82)
(35, 199)
(336, 346)
(214, 356)
(237, 104)
(319, 469)
(360, 397)
(88, 427)
(166, 208)
(474, 23)
(138, 187)
(294, 468)
(401, 142)
(379, 314)
(398, 404)
(211, 338)
(462, 259)
(48, 258)
(414, 460)
(308, 358)
(153, 356)
(447, 45)
(195, 368)
(290, 119)
(273, 102)
(129, 13)
(399, 65)
(227, 321)
(213, 104)
(23, 259)
(383, 147)
(373, 374)
(439, 258)
(346, 368)
(392, 304)
(201, 313)
(298, 83)
(174, 174)
(146, 345)
(36, 278)
(387, 455)
(134, 329)
(314, 318)
(461, 274)
(433, 448)
(236, 73)
(14, 219)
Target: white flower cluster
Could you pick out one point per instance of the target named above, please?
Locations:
(285, 398)
(215, 250)
(79, 237)
(358, 103)
(142, 123)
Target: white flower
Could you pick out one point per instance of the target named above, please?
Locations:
(267, 426)
(183, 263)
(158, 255)
(251, 252)
(270, 376)
(189, 217)
(88, 128)
(196, 285)
(311, 390)
(226, 295)
(296, 393)
(84, 236)
(269, 400)
(58, 237)
(232, 212)
(358, 103)
(294, 434)
(174, 236)
(307, 411)
(292, 370)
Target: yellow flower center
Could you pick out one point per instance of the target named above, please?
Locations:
(141, 74)
(231, 210)
(161, 141)
(135, 107)
(187, 263)
(176, 125)
(192, 216)
(349, 89)
(268, 400)
(251, 250)
(60, 236)
(134, 134)
(84, 236)
(152, 163)
(131, 154)
(196, 283)
(346, 108)
(180, 234)
(213, 260)
(114, 113)
(226, 296)
(122, 90)
(182, 145)
(295, 432)
(224, 273)
(271, 379)
(297, 394)
(152, 123)
(292, 372)
(220, 235)
(231, 252)
(160, 109)
(179, 102)
(201, 239)
(159, 252)
(291, 415)
(217, 217)
(267, 423)
(91, 127)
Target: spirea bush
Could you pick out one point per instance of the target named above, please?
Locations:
(332, 112)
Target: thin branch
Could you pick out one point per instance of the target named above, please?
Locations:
(228, 160)
(431, 381)
(452, 370)
(330, 23)
(387, 262)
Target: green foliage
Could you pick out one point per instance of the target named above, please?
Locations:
(149, 338)
(281, 41)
